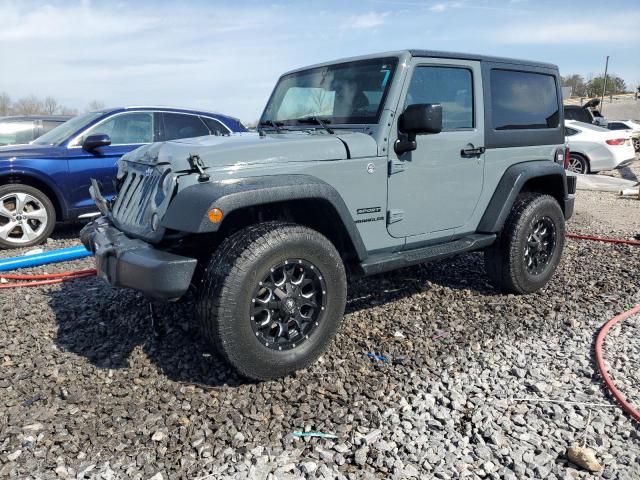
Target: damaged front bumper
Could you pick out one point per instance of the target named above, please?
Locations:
(131, 263)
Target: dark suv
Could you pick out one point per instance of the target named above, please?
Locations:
(48, 180)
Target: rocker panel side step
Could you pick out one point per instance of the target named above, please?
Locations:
(384, 262)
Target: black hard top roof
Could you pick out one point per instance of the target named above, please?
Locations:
(481, 58)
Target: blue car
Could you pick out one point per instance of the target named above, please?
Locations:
(48, 180)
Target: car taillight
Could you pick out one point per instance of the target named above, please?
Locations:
(567, 157)
(615, 141)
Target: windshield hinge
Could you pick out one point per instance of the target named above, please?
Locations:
(196, 163)
(396, 167)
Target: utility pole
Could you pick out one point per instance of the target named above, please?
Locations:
(604, 88)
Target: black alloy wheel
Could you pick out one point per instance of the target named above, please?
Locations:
(286, 304)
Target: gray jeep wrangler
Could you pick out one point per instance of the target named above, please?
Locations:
(358, 167)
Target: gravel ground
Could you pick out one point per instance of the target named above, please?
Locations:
(87, 390)
(630, 172)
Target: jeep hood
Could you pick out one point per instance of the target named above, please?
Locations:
(246, 149)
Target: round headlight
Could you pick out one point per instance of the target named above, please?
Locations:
(167, 183)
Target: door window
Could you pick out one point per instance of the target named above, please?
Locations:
(126, 129)
(449, 86)
(16, 132)
(178, 125)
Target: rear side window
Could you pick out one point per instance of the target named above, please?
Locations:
(214, 126)
(569, 132)
(523, 100)
(618, 126)
(178, 125)
(450, 86)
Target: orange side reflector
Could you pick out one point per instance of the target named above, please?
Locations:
(215, 215)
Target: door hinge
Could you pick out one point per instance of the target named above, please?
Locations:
(396, 167)
(394, 216)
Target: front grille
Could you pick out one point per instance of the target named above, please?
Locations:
(137, 200)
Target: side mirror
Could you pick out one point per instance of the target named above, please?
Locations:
(97, 140)
(418, 119)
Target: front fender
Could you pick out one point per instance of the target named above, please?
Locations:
(40, 178)
(187, 212)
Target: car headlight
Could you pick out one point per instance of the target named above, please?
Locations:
(167, 183)
(165, 187)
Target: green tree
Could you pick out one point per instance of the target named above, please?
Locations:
(615, 85)
(576, 82)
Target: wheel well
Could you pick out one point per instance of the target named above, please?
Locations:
(548, 184)
(583, 156)
(35, 183)
(317, 214)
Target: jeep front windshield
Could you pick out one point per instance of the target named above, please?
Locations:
(343, 93)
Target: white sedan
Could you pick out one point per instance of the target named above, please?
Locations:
(630, 126)
(595, 148)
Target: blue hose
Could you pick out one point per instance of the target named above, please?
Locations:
(25, 261)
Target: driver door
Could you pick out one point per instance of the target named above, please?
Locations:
(434, 189)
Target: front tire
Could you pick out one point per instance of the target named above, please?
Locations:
(528, 250)
(27, 216)
(272, 298)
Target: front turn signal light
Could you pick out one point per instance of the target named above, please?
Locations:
(215, 215)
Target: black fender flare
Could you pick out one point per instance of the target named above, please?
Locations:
(187, 211)
(511, 184)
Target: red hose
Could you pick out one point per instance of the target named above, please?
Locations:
(48, 276)
(580, 236)
(603, 369)
(47, 279)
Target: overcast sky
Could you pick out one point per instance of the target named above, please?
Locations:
(226, 55)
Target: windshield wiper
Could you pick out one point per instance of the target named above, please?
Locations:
(318, 120)
(276, 125)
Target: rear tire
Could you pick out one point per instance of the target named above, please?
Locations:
(578, 163)
(528, 250)
(256, 295)
(27, 216)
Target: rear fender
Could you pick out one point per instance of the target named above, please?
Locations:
(540, 175)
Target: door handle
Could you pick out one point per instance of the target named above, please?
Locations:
(472, 152)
